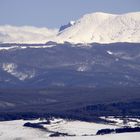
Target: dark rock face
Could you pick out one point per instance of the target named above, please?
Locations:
(66, 26)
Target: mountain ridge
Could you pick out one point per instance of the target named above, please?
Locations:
(103, 28)
(100, 65)
(95, 27)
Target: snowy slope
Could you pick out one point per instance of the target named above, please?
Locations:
(78, 128)
(95, 27)
(103, 28)
(25, 34)
(14, 130)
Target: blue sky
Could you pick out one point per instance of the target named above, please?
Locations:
(54, 13)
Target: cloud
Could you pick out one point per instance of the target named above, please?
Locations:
(25, 34)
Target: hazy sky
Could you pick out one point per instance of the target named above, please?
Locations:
(53, 13)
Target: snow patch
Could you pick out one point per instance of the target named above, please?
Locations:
(82, 68)
(109, 52)
(121, 122)
(25, 47)
(12, 69)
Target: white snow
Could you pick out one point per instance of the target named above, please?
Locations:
(72, 22)
(103, 28)
(109, 52)
(25, 47)
(77, 128)
(11, 68)
(95, 27)
(122, 55)
(83, 68)
(14, 130)
(119, 121)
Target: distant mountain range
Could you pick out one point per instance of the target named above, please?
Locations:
(91, 28)
(70, 57)
(70, 65)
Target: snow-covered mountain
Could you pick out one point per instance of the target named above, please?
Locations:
(55, 64)
(25, 34)
(95, 27)
(103, 28)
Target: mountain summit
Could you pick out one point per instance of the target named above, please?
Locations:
(95, 27)
(103, 28)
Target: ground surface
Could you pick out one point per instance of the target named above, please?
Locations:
(14, 130)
